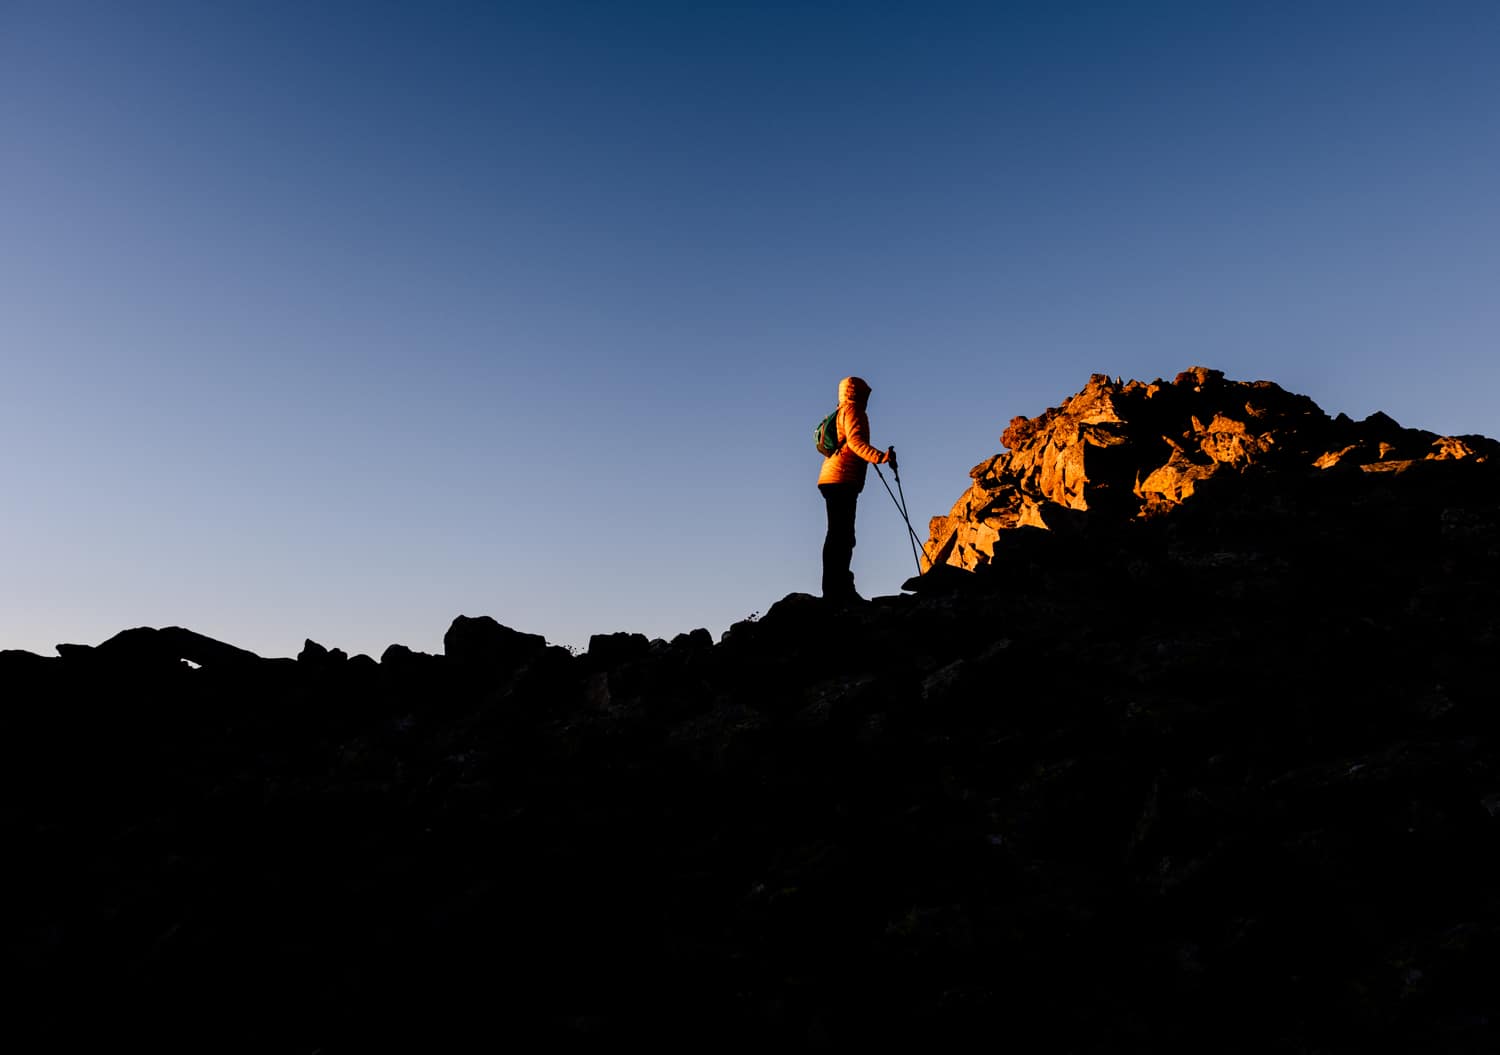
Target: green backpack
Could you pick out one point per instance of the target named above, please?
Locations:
(826, 435)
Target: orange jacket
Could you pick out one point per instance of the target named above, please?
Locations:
(847, 465)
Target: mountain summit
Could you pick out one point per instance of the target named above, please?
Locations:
(1128, 450)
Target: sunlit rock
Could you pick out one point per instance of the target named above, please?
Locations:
(1129, 450)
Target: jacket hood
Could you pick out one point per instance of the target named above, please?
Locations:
(854, 390)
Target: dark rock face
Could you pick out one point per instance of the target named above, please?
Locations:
(399, 657)
(169, 646)
(484, 643)
(316, 655)
(1226, 780)
(17, 661)
(607, 650)
(1120, 450)
(693, 641)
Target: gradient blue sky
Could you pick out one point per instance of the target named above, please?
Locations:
(340, 319)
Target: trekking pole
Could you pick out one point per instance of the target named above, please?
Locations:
(911, 534)
(916, 540)
(896, 472)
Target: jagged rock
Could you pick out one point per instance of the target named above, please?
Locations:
(608, 650)
(698, 640)
(481, 642)
(1122, 451)
(167, 646)
(795, 607)
(403, 659)
(795, 614)
(939, 579)
(314, 654)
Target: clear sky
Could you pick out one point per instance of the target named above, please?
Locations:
(341, 319)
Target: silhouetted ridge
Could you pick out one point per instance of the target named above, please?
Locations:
(1220, 780)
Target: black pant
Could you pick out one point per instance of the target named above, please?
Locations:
(838, 545)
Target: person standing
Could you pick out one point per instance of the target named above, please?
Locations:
(840, 481)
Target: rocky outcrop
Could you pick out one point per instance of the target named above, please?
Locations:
(484, 644)
(146, 646)
(1121, 450)
(1222, 780)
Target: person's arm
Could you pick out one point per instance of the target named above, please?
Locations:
(858, 439)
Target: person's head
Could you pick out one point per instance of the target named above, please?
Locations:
(854, 390)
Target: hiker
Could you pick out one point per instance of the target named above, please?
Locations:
(841, 480)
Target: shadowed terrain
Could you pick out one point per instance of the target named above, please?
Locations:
(1206, 767)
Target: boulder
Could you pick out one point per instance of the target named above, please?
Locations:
(699, 640)
(402, 659)
(481, 642)
(362, 664)
(608, 650)
(941, 578)
(315, 655)
(169, 646)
